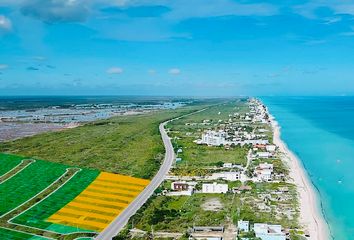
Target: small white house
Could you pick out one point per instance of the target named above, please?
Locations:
(268, 232)
(228, 176)
(243, 226)
(266, 166)
(264, 154)
(227, 165)
(214, 188)
(270, 148)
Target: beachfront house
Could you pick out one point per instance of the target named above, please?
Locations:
(271, 148)
(268, 232)
(214, 188)
(264, 172)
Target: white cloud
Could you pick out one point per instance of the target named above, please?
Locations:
(5, 23)
(308, 9)
(115, 70)
(348, 33)
(174, 71)
(53, 11)
(3, 66)
(151, 71)
(39, 58)
(184, 9)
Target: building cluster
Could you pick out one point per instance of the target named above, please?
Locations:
(239, 128)
(223, 138)
(263, 231)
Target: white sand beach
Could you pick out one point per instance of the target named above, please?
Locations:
(310, 215)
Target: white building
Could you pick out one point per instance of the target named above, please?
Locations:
(214, 188)
(268, 232)
(270, 148)
(213, 138)
(266, 166)
(227, 165)
(264, 172)
(228, 176)
(243, 226)
(264, 154)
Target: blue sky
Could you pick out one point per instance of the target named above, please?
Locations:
(181, 47)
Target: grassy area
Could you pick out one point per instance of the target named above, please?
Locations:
(177, 214)
(195, 157)
(219, 111)
(128, 145)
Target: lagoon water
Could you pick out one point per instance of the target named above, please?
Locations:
(320, 131)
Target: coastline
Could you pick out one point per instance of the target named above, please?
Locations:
(311, 216)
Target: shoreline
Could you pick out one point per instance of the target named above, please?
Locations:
(311, 216)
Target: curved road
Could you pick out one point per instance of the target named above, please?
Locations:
(122, 219)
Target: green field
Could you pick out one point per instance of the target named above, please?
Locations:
(129, 145)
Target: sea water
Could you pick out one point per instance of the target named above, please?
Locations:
(320, 131)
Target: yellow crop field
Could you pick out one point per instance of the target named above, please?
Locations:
(101, 202)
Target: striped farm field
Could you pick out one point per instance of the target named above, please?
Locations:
(8, 162)
(101, 202)
(40, 198)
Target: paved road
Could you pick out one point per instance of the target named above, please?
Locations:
(123, 218)
(117, 224)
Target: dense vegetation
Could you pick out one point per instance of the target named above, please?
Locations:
(128, 145)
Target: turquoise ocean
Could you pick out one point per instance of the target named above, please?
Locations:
(320, 131)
